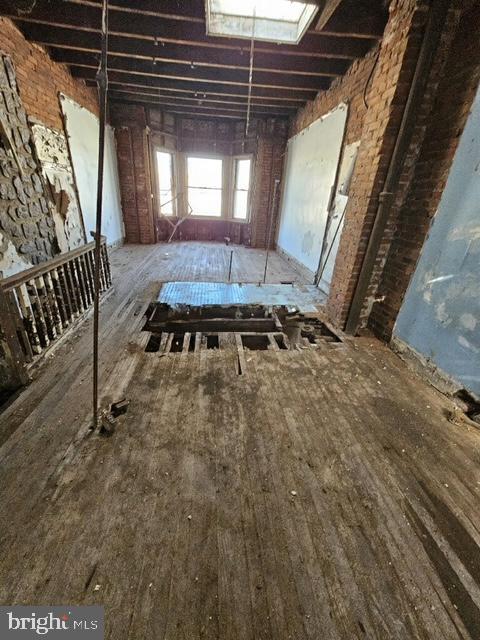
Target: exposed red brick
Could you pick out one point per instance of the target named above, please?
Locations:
(135, 124)
(40, 79)
(442, 130)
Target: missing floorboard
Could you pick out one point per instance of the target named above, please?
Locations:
(187, 329)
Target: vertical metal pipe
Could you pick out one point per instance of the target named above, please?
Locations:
(275, 187)
(230, 267)
(431, 39)
(102, 82)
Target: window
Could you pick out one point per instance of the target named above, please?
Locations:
(165, 182)
(272, 20)
(204, 180)
(241, 188)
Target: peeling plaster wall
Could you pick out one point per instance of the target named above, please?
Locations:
(82, 129)
(27, 228)
(52, 153)
(440, 317)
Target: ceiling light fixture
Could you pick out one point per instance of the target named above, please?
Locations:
(274, 21)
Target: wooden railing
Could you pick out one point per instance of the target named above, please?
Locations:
(38, 305)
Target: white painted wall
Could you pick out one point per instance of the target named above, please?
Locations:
(312, 160)
(82, 128)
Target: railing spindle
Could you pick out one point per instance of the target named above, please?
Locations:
(44, 300)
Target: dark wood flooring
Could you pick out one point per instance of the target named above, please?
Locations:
(319, 495)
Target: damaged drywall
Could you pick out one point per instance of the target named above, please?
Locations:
(52, 153)
(440, 317)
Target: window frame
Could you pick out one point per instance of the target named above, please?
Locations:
(175, 208)
(180, 183)
(223, 188)
(235, 159)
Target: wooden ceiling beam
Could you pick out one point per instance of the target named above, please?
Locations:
(202, 83)
(119, 90)
(194, 11)
(190, 91)
(192, 73)
(116, 96)
(193, 112)
(326, 12)
(191, 35)
(57, 38)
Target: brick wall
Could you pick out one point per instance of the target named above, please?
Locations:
(386, 98)
(26, 220)
(138, 128)
(455, 94)
(269, 167)
(349, 88)
(40, 79)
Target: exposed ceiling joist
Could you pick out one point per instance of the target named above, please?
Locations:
(192, 35)
(160, 52)
(190, 111)
(56, 38)
(192, 73)
(327, 11)
(195, 105)
(188, 99)
(202, 83)
(69, 55)
(194, 12)
(191, 91)
(156, 82)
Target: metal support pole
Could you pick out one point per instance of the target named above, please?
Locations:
(230, 266)
(102, 82)
(275, 187)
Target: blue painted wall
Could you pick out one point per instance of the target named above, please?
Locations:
(440, 317)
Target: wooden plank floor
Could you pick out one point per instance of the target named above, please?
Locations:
(320, 495)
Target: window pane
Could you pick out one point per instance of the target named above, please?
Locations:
(165, 181)
(278, 10)
(242, 176)
(205, 172)
(205, 202)
(166, 202)
(240, 207)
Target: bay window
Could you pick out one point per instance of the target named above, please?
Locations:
(241, 190)
(205, 186)
(165, 183)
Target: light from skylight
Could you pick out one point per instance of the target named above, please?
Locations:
(271, 20)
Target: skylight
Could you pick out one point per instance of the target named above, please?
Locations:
(271, 20)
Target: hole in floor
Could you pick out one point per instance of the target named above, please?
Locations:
(253, 327)
(256, 342)
(468, 404)
(153, 344)
(177, 343)
(213, 342)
